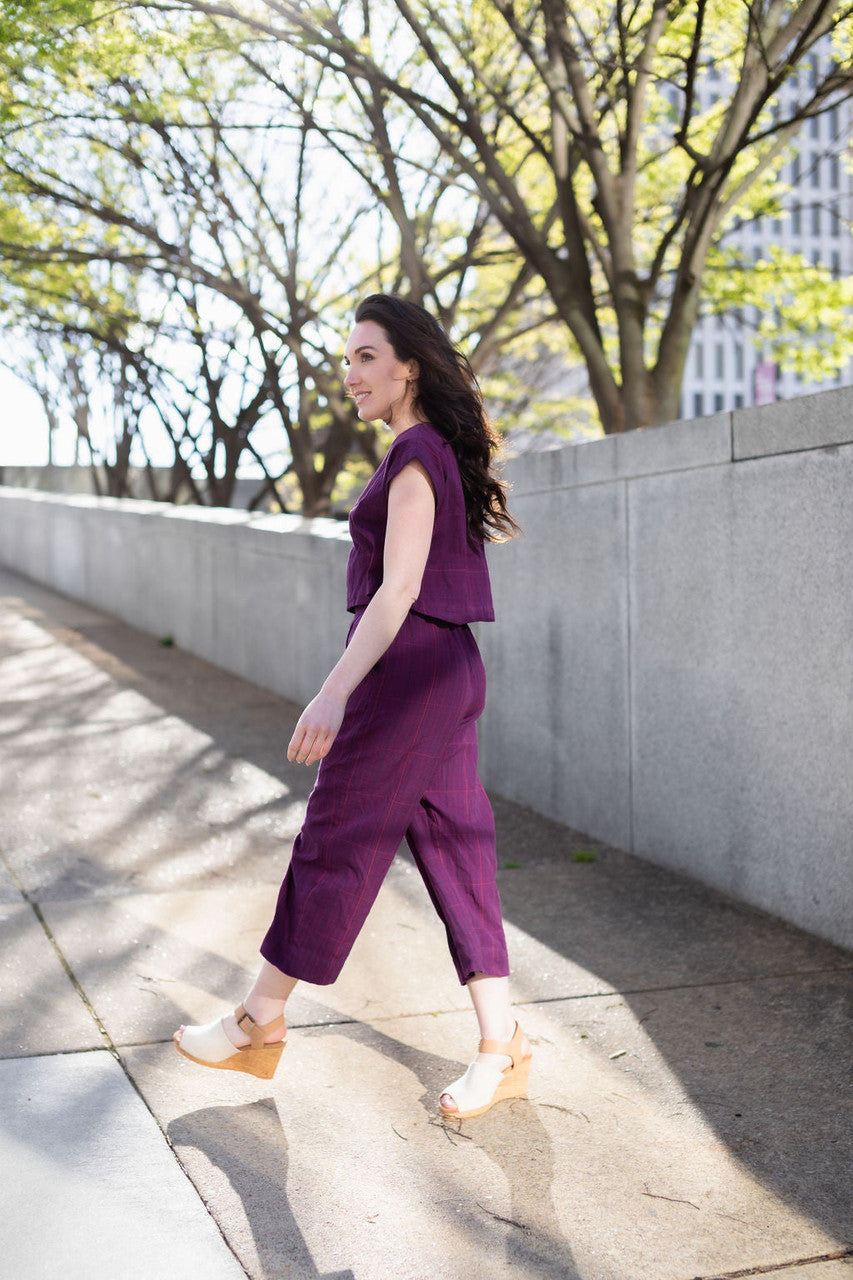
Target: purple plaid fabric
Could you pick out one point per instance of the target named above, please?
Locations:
(455, 585)
(404, 765)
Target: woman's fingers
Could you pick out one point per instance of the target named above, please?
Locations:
(316, 730)
(302, 744)
(308, 744)
(311, 747)
(319, 748)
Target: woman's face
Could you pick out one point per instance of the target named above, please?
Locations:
(380, 384)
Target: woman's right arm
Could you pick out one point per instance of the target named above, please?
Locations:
(408, 534)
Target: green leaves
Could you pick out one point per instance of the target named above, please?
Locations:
(558, 182)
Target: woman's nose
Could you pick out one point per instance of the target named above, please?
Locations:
(349, 378)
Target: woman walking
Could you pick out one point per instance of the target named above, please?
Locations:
(394, 725)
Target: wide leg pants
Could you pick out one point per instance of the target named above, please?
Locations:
(404, 764)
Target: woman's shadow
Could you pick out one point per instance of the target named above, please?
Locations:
(248, 1143)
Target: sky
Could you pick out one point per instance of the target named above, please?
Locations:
(23, 434)
(23, 424)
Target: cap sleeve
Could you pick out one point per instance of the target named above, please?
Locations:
(412, 446)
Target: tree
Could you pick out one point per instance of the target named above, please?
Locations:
(579, 129)
(158, 195)
(130, 223)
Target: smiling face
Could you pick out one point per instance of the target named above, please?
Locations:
(381, 384)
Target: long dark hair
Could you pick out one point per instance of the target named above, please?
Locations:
(449, 398)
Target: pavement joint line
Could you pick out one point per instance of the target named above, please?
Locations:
(57, 1053)
(770, 1267)
(69, 972)
(525, 1004)
(111, 1048)
(688, 986)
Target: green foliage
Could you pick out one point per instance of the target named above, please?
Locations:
(802, 317)
(204, 195)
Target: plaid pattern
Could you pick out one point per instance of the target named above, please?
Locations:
(455, 585)
(403, 765)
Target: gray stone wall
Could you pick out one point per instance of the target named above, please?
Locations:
(672, 666)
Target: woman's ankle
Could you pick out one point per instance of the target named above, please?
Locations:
(263, 1009)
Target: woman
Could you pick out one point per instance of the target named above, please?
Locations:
(394, 724)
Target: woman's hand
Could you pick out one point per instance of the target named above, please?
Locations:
(316, 729)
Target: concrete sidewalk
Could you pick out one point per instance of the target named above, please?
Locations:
(687, 1113)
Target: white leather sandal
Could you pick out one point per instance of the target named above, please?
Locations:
(209, 1046)
(485, 1083)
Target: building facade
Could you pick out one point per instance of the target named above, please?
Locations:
(726, 368)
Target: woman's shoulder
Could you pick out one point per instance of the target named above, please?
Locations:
(420, 432)
(422, 441)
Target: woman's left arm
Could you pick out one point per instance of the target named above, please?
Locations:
(408, 534)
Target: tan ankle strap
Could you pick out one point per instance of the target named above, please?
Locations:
(512, 1049)
(257, 1034)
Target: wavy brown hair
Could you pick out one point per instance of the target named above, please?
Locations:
(449, 397)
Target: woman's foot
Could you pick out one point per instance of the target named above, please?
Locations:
(499, 1071)
(262, 1010)
(250, 1040)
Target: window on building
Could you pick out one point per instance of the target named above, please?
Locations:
(833, 122)
(719, 403)
(738, 362)
(814, 127)
(835, 264)
(796, 170)
(834, 174)
(834, 222)
(814, 174)
(796, 220)
(719, 360)
(815, 257)
(698, 404)
(699, 362)
(816, 220)
(738, 401)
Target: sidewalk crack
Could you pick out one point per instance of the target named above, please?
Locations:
(771, 1267)
(69, 972)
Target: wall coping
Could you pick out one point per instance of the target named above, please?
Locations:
(263, 522)
(787, 426)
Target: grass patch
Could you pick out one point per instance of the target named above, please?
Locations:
(584, 855)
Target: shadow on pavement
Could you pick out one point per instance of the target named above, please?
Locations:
(750, 1016)
(227, 1136)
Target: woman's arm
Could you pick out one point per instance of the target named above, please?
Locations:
(408, 534)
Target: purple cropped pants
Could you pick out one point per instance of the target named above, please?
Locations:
(404, 764)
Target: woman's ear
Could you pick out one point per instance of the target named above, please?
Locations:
(413, 372)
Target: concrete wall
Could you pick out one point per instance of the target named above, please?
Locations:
(258, 595)
(672, 666)
(79, 479)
